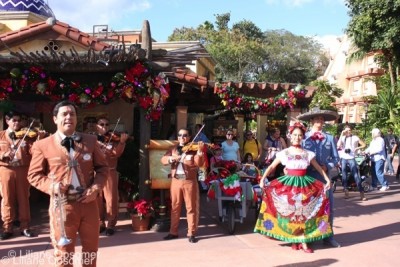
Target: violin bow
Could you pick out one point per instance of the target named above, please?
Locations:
(113, 131)
(22, 140)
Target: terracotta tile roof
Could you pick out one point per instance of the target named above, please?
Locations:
(51, 24)
(259, 89)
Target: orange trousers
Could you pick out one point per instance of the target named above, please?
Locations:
(109, 211)
(184, 191)
(14, 189)
(81, 219)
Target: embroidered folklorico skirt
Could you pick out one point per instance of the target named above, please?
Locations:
(294, 209)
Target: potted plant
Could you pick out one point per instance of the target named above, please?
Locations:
(141, 211)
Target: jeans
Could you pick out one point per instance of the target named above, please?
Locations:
(377, 173)
(353, 170)
(388, 163)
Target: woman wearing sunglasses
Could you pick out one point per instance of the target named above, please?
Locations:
(230, 148)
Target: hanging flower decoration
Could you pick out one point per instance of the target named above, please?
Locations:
(137, 84)
(235, 101)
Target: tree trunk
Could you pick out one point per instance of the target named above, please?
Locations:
(393, 77)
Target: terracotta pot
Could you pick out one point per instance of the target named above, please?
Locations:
(140, 224)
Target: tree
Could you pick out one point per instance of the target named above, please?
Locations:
(245, 53)
(291, 58)
(325, 95)
(375, 26)
(385, 107)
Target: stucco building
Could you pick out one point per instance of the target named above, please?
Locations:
(353, 77)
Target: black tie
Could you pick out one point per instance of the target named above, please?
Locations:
(101, 138)
(68, 143)
(179, 148)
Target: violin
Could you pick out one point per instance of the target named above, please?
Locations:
(29, 134)
(195, 146)
(114, 137)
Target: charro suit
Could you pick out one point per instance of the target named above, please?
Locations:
(184, 189)
(326, 154)
(14, 186)
(110, 190)
(49, 157)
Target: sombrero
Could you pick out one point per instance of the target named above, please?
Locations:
(328, 115)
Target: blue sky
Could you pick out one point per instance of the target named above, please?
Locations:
(321, 18)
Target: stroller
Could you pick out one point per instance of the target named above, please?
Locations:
(365, 172)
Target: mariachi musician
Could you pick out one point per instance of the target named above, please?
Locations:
(185, 163)
(72, 169)
(113, 145)
(14, 163)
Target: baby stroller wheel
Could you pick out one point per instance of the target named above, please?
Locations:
(366, 186)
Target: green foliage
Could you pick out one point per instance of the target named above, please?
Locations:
(331, 128)
(291, 58)
(375, 26)
(245, 53)
(385, 107)
(325, 95)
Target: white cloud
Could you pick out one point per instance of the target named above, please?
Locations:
(83, 14)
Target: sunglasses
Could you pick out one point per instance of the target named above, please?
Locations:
(229, 134)
(103, 124)
(182, 135)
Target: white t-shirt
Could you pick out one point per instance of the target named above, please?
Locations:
(348, 142)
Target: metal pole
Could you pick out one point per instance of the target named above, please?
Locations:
(366, 119)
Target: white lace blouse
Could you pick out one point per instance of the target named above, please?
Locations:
(295, 161)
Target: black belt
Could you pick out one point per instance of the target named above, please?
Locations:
(180, 176)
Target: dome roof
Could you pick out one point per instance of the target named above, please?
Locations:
(34, 6)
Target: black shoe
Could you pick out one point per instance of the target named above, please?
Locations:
(27, 233)
(5, 235)
(331, 242)
(102, 229)
(169, 237)
(192, 239)
(109, 231)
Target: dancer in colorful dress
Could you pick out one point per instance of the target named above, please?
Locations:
(295, 207)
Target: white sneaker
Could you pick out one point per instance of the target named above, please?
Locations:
(384, 188)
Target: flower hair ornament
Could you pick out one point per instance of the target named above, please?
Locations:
(296, 124)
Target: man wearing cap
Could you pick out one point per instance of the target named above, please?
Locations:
(324, 147)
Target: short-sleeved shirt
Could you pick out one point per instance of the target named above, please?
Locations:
(230, 152)
(348, 142)
(252, 147)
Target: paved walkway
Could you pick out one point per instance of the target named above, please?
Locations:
(369, 233)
